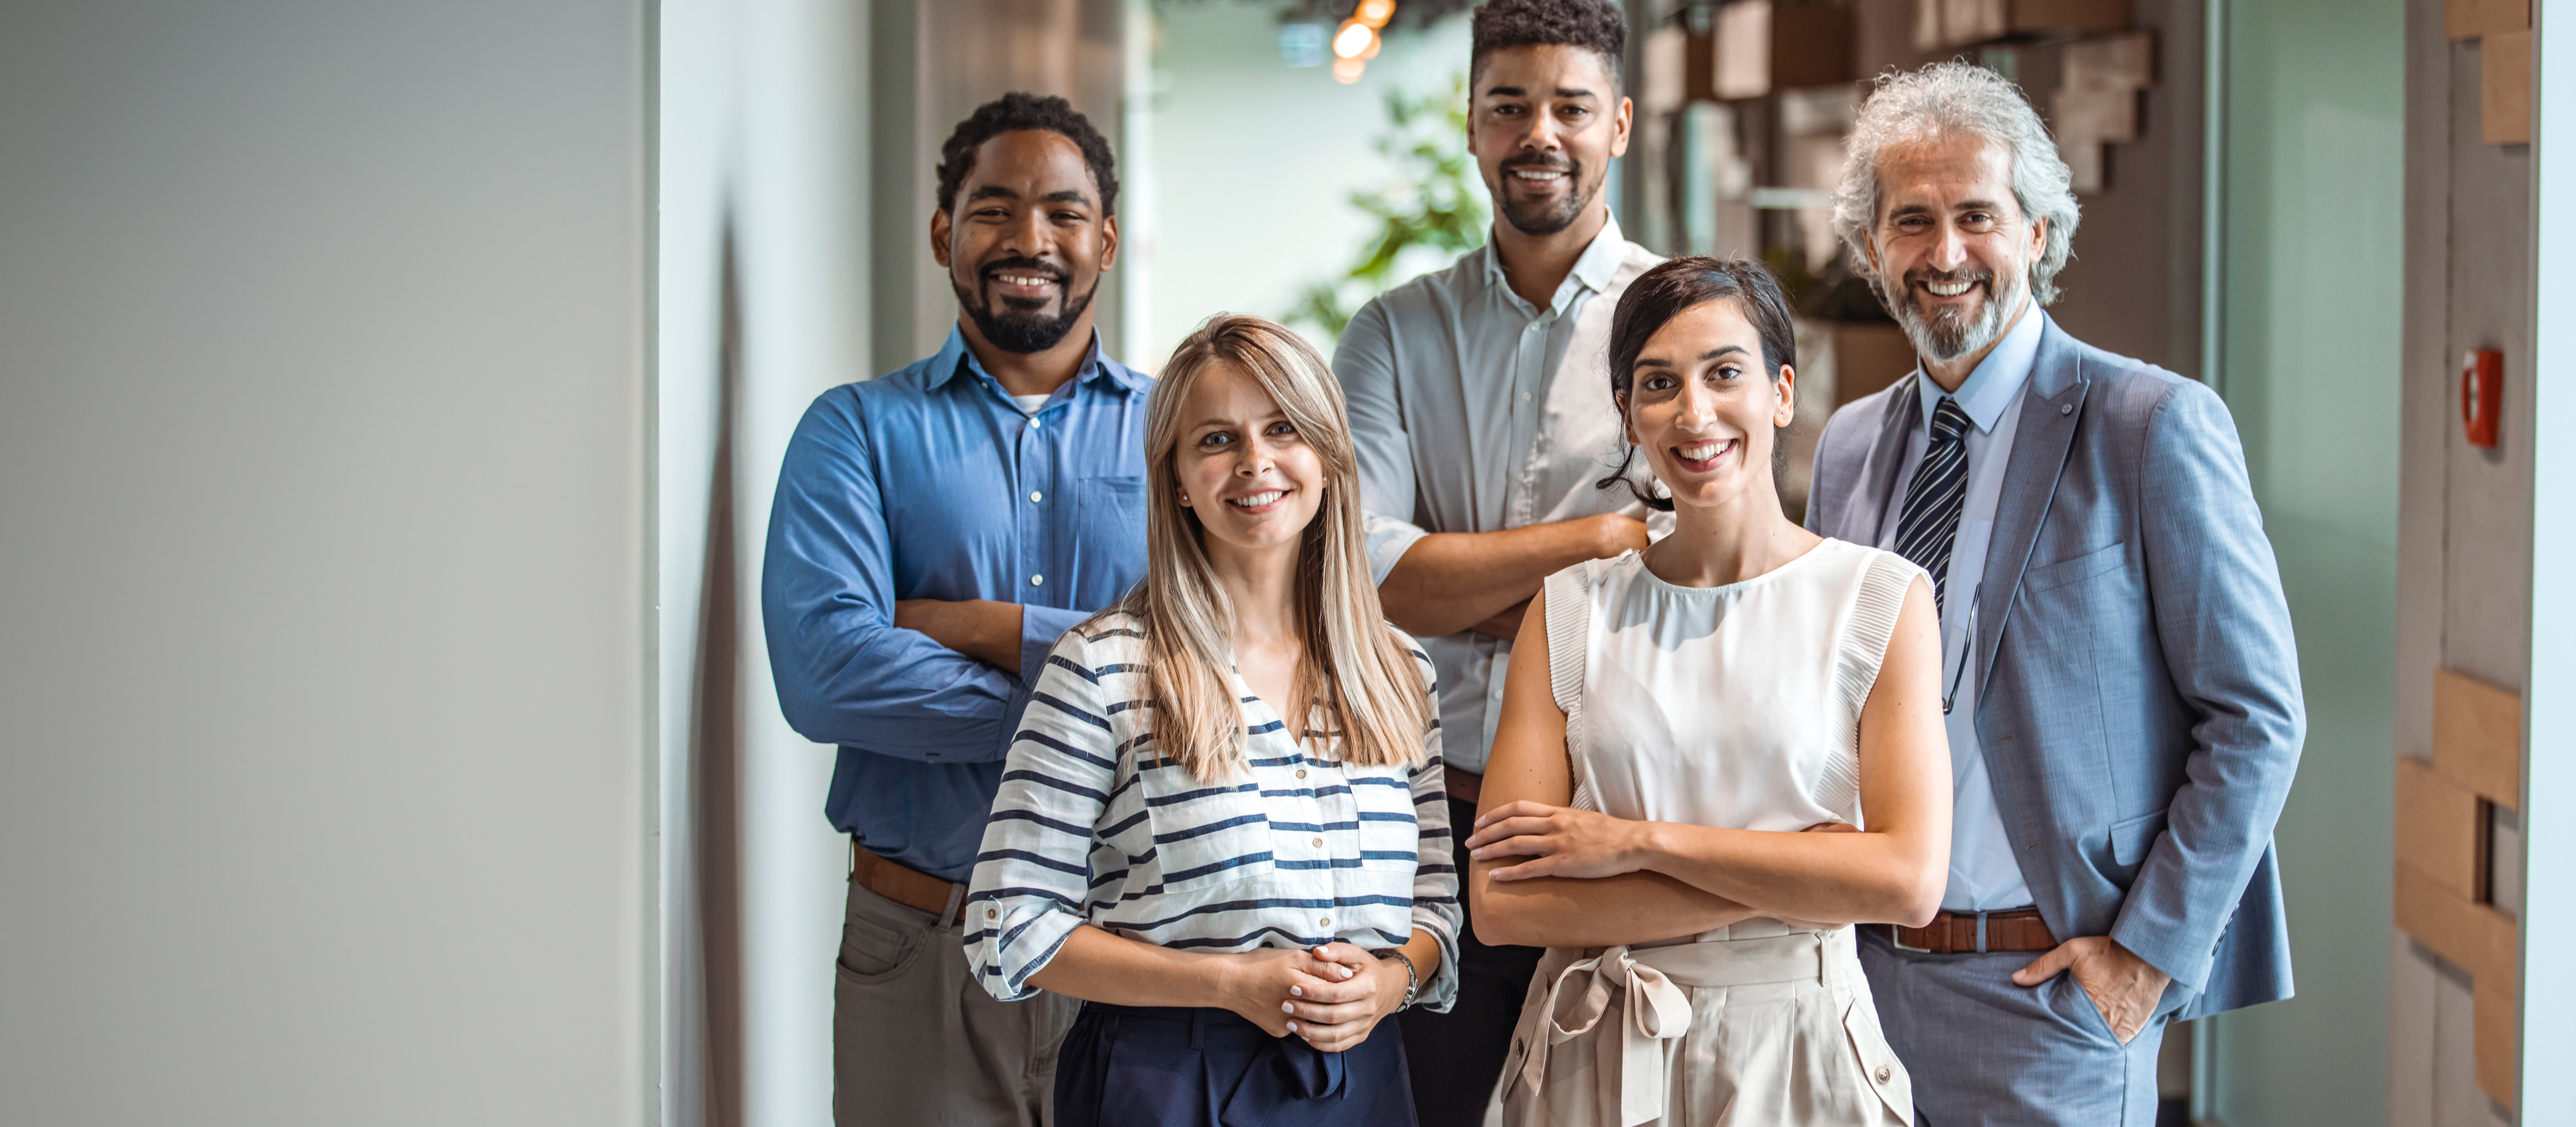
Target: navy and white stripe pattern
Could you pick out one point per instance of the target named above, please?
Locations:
(1094, 825)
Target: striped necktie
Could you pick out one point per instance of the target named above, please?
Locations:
(1929, 524)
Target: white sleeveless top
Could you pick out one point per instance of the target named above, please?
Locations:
(1735, 707)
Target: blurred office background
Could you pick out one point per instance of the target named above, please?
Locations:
(390, 402)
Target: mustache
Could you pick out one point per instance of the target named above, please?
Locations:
(1540, 161)
(1927, 275)
(1022, 264)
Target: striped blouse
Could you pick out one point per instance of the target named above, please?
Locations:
(1092, 826)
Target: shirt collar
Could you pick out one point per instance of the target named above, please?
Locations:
(1990, 388)
(954, 357)
(1595, 270)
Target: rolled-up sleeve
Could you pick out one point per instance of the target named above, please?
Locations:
(1034, 871)
(1364, 361)
(1435, 871)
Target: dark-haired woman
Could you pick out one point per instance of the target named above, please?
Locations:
(1222, 825)
(1672, 719)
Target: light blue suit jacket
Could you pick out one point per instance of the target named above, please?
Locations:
(2141, 712)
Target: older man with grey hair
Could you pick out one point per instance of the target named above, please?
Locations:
(2119, 678)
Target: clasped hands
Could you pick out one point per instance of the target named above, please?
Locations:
(1331, 996)
(1565, 842)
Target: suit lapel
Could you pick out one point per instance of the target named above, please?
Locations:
(1878, 470)
(2049, 414)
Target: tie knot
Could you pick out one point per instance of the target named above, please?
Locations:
(1949, 420)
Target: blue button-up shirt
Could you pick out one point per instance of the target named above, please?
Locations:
(931, 483)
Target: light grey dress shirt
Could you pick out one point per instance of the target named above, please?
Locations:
(1983, 875)
(1475, 411)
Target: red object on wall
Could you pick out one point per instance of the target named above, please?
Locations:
(2481, 394)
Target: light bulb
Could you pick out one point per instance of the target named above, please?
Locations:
(1353, 40)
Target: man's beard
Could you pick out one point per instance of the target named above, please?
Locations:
(1021, 327)
(1947, 335)
(1533, 218)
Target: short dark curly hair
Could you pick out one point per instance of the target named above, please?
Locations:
(1597, 24)
(1020, 110)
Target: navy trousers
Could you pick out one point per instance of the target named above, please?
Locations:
(1132, 1066)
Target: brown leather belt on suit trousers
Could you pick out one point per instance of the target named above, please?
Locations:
(909, 887)
(1973, 933)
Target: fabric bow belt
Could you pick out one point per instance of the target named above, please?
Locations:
(1639, 995)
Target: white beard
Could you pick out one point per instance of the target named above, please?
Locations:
(1946, 337)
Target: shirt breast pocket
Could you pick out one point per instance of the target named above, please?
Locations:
(1109, 518)
(1389, 834)
(1208, 835)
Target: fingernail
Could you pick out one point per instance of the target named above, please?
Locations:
(1292, 1027)
(1287, 1008)
(1297, 991)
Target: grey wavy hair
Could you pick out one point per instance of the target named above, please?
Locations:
(1958, 98)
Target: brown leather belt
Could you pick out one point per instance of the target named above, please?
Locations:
(1973, 933)
(1464, 786)
(907, 886)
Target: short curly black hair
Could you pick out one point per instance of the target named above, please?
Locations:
(1020, 110)
(1597, 24)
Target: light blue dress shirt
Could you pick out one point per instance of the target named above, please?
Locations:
(1983, 875)
(932, 483)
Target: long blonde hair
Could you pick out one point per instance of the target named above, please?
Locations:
(1366, 681)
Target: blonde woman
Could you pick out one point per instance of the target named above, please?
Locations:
(1222, 824)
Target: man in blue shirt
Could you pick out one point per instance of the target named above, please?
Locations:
(934, 531)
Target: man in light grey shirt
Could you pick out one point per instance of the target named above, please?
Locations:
(1480, 401)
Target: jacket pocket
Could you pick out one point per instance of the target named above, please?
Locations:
(2131, 839)
(2083, 567)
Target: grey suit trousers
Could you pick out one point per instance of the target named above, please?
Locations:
(916, 1043)
(1985, 1051)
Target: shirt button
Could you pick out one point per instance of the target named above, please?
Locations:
(1882, 1074)
(1035, 422)
(1036, 496)
(1319, 843)
(992, 913)
(1301, 772)
(1037, 581)
(1525, 397)
(1324, 921)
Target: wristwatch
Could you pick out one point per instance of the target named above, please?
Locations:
(1412, 978)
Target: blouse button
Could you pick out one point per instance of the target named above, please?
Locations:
(1882, 1074)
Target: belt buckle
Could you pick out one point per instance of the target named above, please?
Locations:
(1896, 939)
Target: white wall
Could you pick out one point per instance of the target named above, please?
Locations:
(323, 698)
(1254, 161)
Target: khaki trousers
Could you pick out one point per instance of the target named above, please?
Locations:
(917, 1043)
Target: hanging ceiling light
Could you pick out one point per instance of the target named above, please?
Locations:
(1357, 41)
